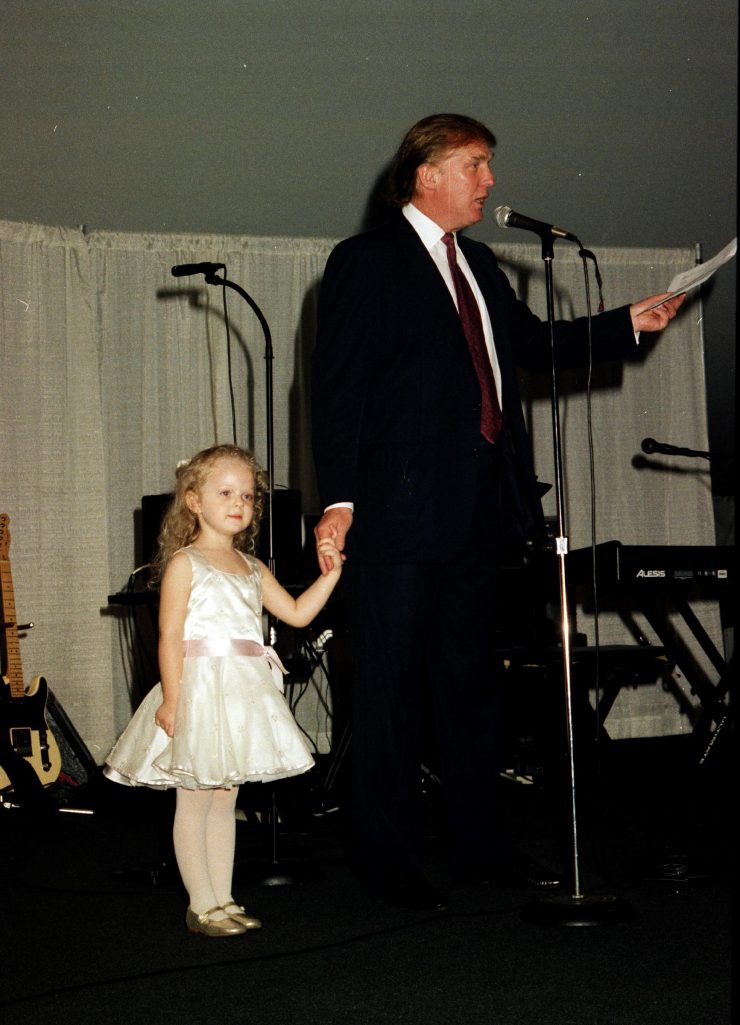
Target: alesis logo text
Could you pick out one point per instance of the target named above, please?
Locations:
(650, 573)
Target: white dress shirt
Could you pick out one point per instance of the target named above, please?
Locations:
(431, 236)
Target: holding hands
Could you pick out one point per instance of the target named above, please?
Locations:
(330, 556)
(331, 533)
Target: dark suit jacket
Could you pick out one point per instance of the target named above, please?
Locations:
(396, 402)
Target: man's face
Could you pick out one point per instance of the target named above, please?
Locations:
(454, 187)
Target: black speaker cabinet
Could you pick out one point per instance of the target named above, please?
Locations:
(153, 508)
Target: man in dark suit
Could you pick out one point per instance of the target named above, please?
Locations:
(425, 473)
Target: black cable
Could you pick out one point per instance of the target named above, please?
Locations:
(585, 255)
(126, 980)
(599, 855)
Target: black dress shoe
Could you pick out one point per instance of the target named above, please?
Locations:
(414, 893)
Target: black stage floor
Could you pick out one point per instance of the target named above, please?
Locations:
(94, 914)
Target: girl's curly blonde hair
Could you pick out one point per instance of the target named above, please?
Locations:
(180, 525)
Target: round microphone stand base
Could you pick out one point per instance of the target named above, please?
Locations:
(277, 873)
(273, 870)
(578, 911)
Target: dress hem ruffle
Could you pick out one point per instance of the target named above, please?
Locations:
(188, 782)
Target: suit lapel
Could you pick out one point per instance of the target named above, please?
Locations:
(425, 281)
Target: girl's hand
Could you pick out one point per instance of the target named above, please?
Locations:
(164, 717)
(329, 555)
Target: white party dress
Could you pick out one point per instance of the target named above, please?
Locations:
(232, 723)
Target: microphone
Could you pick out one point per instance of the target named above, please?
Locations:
(508, 218)
(650, 445)
(184, 269)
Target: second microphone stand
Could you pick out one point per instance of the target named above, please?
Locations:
(275, 873)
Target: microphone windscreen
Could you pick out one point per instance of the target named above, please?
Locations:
(501, 215)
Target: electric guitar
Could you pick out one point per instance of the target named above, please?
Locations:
(26, 742)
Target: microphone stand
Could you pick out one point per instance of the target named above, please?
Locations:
(274, 874)
(574, 909)
(213, 279)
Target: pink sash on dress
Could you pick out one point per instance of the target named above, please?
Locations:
(218, 647)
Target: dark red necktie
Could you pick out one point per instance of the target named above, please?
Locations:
(490, 417)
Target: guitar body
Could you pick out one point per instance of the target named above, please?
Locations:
(26, 734)
(29, 754)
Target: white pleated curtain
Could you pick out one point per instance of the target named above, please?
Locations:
(113, 370)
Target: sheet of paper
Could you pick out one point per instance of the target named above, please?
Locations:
(689, 279)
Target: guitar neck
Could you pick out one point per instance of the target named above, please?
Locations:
(11, 646)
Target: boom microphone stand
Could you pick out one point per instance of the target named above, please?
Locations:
(274, 874)
(574, 909)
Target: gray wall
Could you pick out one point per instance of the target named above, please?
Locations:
(615, 119)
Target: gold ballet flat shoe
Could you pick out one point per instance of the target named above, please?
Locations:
(241, 916)
(209, 927)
